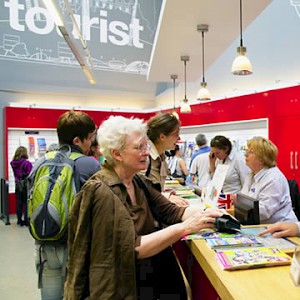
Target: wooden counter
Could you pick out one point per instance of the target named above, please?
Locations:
(198, 262)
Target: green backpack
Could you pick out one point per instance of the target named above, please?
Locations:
(53, 184)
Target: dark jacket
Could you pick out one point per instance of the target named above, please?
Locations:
(103, 237)
(21, 168)
(100, 231)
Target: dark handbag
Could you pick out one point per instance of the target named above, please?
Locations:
(22, 185)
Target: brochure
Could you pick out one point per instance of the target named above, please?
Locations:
(233, 242)
(251, 232)
(205, 234)
(247, 258)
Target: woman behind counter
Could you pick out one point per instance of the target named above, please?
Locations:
(222, 152)
(115, 252)
(267, 183)
(163, 133)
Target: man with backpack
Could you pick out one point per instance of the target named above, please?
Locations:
(53, 183)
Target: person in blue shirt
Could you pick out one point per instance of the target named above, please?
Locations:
(201, 142)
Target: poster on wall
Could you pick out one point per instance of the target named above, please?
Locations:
(36, 146)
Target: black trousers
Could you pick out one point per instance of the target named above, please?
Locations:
(159, 277)
(21, 197)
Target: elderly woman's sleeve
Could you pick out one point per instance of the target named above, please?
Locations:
(101, 245)
(162, 209)
(79, 246)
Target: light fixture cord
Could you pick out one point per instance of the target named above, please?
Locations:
(185, 79)
(174, 92)
(203, 77)
(241, 21)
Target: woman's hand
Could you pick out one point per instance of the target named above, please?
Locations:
(282, 229)
(179, 201)
(201, 220)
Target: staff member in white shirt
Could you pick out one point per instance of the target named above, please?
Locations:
(267, 183)
(222, 152)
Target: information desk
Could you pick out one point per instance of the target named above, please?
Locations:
(209, 281)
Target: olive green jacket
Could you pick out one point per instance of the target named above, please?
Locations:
(100, 231)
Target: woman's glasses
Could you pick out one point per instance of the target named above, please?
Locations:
(142, 147)
(249, 151)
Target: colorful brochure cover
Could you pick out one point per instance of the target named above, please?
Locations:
(247, 258)
(233, 242)
(205, 234)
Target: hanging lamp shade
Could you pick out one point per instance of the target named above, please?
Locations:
(185, 107)
(203, 92)
(174, 112)
(241, 65)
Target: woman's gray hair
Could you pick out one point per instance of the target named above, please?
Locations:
(112, 134)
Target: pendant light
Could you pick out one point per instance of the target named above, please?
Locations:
(174, 112)
(241, 65)
(203, 93)
(185, 107)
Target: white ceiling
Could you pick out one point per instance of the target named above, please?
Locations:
(177, 34)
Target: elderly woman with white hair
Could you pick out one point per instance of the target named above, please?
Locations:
(115, 251)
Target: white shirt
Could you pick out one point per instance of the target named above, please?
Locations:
(237, 172)
(200, 167)
(271, 188)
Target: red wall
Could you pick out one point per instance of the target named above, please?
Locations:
(281, 107)
(30, 118)
(36, 118)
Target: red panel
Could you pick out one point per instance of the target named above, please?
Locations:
(287, 101)
(272, 104)
(12, 203)
(247, 107)
(16, 117)
(47, 118)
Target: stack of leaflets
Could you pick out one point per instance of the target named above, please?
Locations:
(233, 242)
(250, 232)
(247, 258)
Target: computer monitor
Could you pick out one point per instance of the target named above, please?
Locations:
(246, 210)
